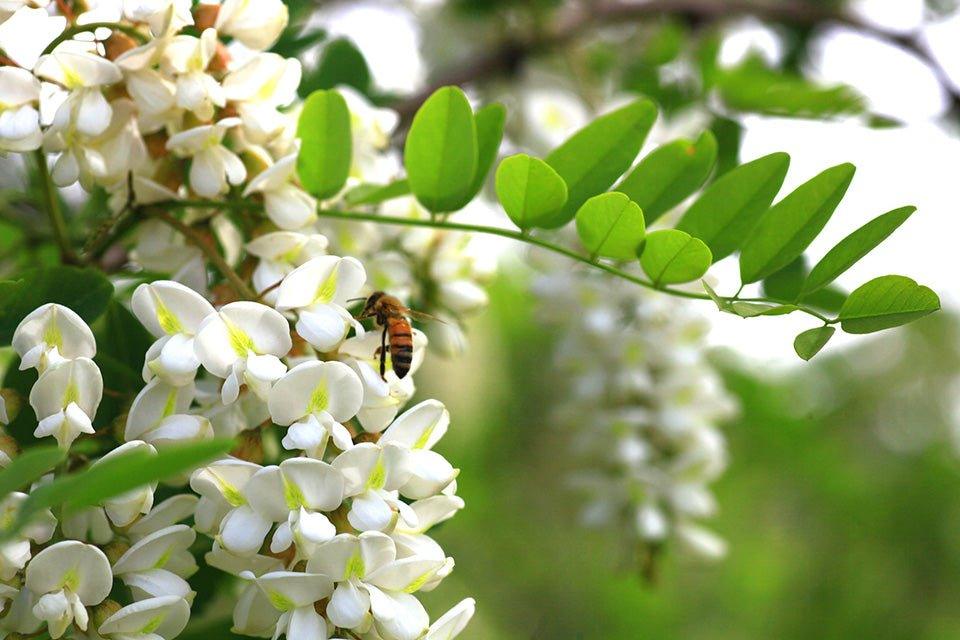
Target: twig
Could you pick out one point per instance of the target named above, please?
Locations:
(57, 223)
(511, 234)
(507, 59)
(210, 251)
(86, 28)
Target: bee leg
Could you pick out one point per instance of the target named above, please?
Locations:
(383, 354)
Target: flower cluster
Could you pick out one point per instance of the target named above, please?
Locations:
(332, 537)
(643, 411)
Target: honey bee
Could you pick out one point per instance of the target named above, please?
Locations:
(392, 315)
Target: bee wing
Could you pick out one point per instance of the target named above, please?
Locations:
(424, 317)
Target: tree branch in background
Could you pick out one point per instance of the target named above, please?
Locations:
(510, 57)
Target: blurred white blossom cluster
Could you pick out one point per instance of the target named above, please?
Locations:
(642, 407)
(334, 537)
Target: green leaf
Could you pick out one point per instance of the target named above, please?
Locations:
(785, 284)
(809, 343)
(611, 226)
(490, 121)
(886, 302)
(118, 475)
(341, 63)
(594, 157)
(754, 309)
(28, 467)
(376, 193)
(326, 152)
(529, 190)
(727, 211)
(717, 300)
(86, 291)
(441, 151)
(853, 247)
(788, 228)
(670, 174)
(673, 257)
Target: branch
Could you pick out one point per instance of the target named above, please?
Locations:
(52, 202)
(512, 54)
(208, 249)
(518, 236)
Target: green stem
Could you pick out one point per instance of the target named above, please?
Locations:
(57, 222)
(85, 28)
(511, 234)
(209, 251)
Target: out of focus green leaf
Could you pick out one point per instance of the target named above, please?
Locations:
(788, 228)
(86, 291)
(341, 63)
(441, 154)
(671, 256)
(326, 151)
(377, 193)
(529, 190)
(886, 302)
(754, 87)
(28, 467)
(729, 208)
(611, 226)
(594, 157)
(670, 174)
(853, 247)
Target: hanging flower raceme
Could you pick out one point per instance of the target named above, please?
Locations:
(643, 414)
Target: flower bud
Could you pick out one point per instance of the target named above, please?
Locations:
(205, 16)
(8, 446)
(104, 610)
(114, 550)
(11, 403)
(117, 44)
(249, 447)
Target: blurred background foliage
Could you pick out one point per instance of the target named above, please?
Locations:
(840, 505)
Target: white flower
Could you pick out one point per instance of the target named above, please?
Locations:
(159, 415)
(292, 494)
(372, 474)
(243, 343)
(320, 290)
(449, 625)
(52, 334)
(25, 35)
(172, 313)
(372, 128)
(83, 75)
(255, 23)
(187, 57)
(167, 513)
(162, 617)
(313, 399)
(65, 399)
(294, 595)
(124, 509)
(19, 118)
(258, 88)
(15, 552)
(280, 252)
(382, 396)
(68, 577)
(214, 166)
(157, 564)
(220, 486)
(154, 93)
(163, 16)
(287, 205)
(418, 429)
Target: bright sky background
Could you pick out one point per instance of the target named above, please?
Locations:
(916, 164)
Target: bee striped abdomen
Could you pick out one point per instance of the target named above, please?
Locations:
(401, 345)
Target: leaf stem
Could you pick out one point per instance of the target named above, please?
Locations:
(208, 250)
(52, 202)
(93, 26)
(518, 236)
